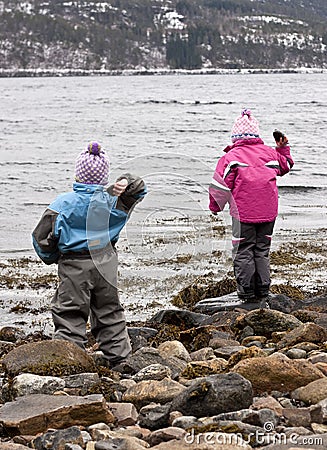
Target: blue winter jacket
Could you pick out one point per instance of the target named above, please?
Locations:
(89, 218)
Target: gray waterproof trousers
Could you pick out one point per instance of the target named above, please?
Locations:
(88, 289)
(251, 247)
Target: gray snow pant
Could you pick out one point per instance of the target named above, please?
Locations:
(88, 288)
(251, 247)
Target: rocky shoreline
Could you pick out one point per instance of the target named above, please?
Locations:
(56, 72)
(254, 376)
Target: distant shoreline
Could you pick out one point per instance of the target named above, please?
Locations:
(31, 73)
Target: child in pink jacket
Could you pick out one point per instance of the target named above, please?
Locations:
(245, 177)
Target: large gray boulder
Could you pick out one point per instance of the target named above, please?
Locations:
(213, 395)
(264, 322)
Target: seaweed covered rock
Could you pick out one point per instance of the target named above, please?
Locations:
(213, 395)
(181, 318)
(197, 369)
(53, 358)
(202, 289)
(196, 338)
(264, 322)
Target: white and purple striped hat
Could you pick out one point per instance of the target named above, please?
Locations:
(92, 165)
(245, 126)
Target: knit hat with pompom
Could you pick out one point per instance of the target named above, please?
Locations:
(92, 165)
(245, 126)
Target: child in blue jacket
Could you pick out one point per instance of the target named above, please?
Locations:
(79, 231)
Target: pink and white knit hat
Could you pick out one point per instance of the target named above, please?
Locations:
(92, 165)
(245, 126)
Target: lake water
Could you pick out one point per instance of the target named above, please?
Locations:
(169, 129)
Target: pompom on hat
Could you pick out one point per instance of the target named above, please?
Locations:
(92, 165)
(245, 126)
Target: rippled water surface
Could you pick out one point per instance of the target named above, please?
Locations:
(169, 129)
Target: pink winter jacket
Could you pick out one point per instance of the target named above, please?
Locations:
(246, 178)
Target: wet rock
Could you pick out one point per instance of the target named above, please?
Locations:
(215, 304)
(124, 413)
(165, 435)
(153, 372)
(57, 440)
(319, 412)
(34, 414)
(174, 348)
(264, 322)
(11, 334)
(280, 302)
(154, 416)
(181, 318)
(121, 443)
(245, 333)
(204, 354)
(200, 289)
(217, 343)
(319, 428)
(214, 394)
(196, 338)
(197, 369)
(205, 441)
(297, 417)
(277, 372)
(249, 339)
(322, 367)
(268, 402)
(84, 383)
(186, 422)
(244, 353)
(295, 431)
(148, 356)
(318, 357)
(119, 437)
(317, 304)
(140, 336)
(174, 415)
(240, 428)
(53, 358)
(307, 332)
(73, 447)
(95, 428)
(26, 384)
(223, 320)
(146, 392)
(296, 353)
(6, 347)
(12, 446)
(307, 346)
(256, 418)
(312, 393)
(228, 351)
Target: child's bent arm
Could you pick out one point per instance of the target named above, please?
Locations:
(285, 159)
(135, 192)
(44, 240)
